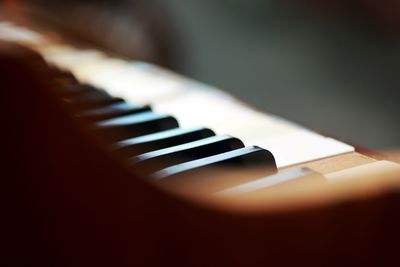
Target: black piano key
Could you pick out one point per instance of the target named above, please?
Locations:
(251, 156)
(134, 125)
(139, 145)
(93, 99)
(163, 158)
(112, 111)
(64, 77)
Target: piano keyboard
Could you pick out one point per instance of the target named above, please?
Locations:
(184, 134)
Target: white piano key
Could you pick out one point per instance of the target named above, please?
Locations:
(13, 33)
(195, 105)
(301, 146)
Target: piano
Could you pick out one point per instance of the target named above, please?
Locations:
(112, 162)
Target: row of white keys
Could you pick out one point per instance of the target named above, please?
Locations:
(191, 102)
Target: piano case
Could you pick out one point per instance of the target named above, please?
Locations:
(68, 202)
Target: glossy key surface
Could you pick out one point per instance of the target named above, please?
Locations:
(146, 143)
(134, 125)
(92, 99)
(163, 158)
(112, 111)
(251, 156)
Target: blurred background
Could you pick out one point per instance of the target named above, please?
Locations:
(329, 65)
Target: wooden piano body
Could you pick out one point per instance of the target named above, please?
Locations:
(69, 202)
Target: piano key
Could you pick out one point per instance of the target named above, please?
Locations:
(21, 35)
(251, 156)
(64, 77)
(290, 143)
(93, 99)
(68, 57)
(134, 125)
(112, 111)
(131, 80)
(163, 158)
(139, 145)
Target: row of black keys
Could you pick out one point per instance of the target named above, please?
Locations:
(153, 143)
